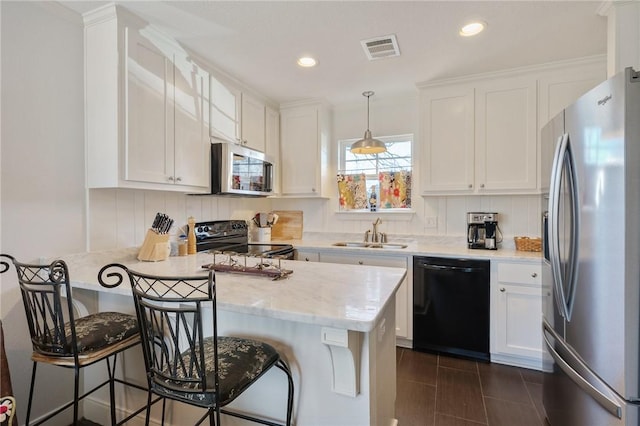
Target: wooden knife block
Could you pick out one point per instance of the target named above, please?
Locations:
(155, 247)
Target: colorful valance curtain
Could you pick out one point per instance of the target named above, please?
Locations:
(395, 190)
(352, 190)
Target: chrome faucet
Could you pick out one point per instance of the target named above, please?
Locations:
(376, 235)
(366, 235)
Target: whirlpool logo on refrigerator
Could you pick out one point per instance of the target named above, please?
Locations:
(604, 100)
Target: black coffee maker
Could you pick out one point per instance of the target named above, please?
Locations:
(482, 230)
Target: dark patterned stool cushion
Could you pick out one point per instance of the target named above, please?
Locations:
(240, 362)
(102, 329)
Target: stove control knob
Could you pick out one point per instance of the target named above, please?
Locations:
(199, 229)
(206, 229)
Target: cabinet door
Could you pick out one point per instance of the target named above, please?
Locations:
(300, 151)
(402, 295)
(253, 121)
(518, 329)
(506, 143)
(191, 126)
(307, 256)
(149, 127)
(447, 116)
(272, 143)
(225, 111)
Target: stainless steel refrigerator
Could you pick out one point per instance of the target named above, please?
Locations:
(591, 318)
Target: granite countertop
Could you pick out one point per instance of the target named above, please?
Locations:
(342, 296)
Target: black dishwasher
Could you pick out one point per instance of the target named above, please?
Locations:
(451, 306)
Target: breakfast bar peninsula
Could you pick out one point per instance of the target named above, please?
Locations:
(334, 324)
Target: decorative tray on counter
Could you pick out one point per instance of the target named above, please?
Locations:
(265, 268)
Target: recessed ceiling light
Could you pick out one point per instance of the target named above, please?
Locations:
(307, 61)
(472, 28)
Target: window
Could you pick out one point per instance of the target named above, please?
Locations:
(387, 175)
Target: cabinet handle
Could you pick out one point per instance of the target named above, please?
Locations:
(313, 190)
(482, 185)
(178, 179)
(534, 275)
(170, 178)
(470, 185)
(306, 259)
(360, 262)
(502, 289)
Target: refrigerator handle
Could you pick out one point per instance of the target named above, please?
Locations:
(553, 212)
(609, 404)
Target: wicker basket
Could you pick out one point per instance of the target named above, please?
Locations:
(528, 244)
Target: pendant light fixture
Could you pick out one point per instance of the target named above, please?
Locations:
(368, 145)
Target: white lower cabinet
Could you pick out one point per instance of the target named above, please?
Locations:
(516, 313)
(403, 313)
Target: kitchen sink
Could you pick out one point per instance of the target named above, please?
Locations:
(387, 245)
(348, 244)
(370, 245)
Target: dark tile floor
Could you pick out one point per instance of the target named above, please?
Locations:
(435, 390)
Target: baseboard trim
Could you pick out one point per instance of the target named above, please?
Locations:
(515, 361)
(99, 411)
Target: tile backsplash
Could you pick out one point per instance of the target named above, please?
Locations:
(119, 218)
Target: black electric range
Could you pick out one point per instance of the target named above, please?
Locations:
(232, 236)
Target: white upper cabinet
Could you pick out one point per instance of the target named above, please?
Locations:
(147, 108)
(236, 116)
(480, 134)
(470, 129)
(191, 123)
(505, 135)
(225, 110)
(149, 138)
(447, 115)
(253, 122)
(304, 150)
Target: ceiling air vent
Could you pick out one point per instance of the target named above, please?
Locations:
(381, 47)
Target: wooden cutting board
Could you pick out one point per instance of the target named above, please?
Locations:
(289, 225)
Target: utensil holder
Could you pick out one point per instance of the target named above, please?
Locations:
(262, 235)
(155, 247)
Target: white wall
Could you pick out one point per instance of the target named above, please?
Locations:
(42, 168)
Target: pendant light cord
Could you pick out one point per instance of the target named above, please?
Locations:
(368, 96)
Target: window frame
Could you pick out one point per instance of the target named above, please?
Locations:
(343, 145)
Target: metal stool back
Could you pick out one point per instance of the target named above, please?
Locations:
(176, 314)
(59, 338)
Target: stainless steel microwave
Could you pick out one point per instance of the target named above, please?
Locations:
(236, 169)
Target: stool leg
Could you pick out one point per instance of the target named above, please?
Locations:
(33, 380)
(146, 420)
(284, 367)
(76, 393)
(164, 404)
(112, 390)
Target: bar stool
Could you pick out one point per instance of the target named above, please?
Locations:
(184, 365)
(75, 343)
